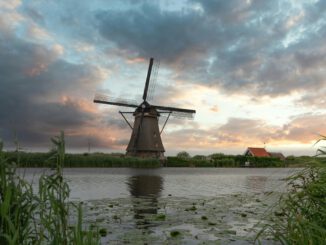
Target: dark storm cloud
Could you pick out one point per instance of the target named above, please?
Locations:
(260, 47)
(149, 31)
(34, 82)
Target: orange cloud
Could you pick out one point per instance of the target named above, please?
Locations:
(239, 132)
(214, 109)
(82, 104)
(135, 60)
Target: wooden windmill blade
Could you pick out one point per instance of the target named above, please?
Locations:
(174, 109)
(103, 99)
(182, 115)
(148, 78)
(153, 80)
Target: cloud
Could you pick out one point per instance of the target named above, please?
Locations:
(314, 100)
(305, 128)
(149, 31)
(245, 47)
(42, 93)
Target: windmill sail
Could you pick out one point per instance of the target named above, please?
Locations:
(148, 78)
(104, 99)
(174, 109)
(153, 80)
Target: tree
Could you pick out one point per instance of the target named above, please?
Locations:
(183, 155)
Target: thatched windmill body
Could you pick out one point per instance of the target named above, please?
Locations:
(145, 140)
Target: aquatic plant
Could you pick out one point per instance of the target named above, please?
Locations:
(160, 217)
(204, 217)
(103, 232)
(175, 233)
(42, 218)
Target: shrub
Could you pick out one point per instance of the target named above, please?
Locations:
(225, 162)
(177, 162)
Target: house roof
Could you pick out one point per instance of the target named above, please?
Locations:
(258, 152)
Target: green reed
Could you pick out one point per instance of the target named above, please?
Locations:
(300, 217)
(44, 217)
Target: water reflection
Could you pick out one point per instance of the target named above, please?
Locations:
(145, 189)
(256, 183)
(145, 185)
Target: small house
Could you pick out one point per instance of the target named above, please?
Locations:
(256, 152)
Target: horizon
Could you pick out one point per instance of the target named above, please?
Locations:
(255, 72)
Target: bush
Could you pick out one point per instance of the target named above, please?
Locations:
(177, 162)
(202, 163)
(225, 162)
(199, 157)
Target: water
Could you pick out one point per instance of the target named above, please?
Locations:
(100, 183)
(144, 205)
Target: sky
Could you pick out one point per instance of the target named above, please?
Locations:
(254, 71)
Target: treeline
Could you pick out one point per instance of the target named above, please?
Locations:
(183, 159)
(221, 160)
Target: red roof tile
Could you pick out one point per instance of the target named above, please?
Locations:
(258, 152)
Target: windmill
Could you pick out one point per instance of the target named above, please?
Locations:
(145, 140)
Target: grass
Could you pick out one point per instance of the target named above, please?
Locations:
(300, 217)
(43, 217)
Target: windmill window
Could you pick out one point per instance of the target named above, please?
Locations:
(155, 135)
(156, 145)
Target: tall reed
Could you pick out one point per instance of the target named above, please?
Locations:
(300, 217)
(44, 217)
